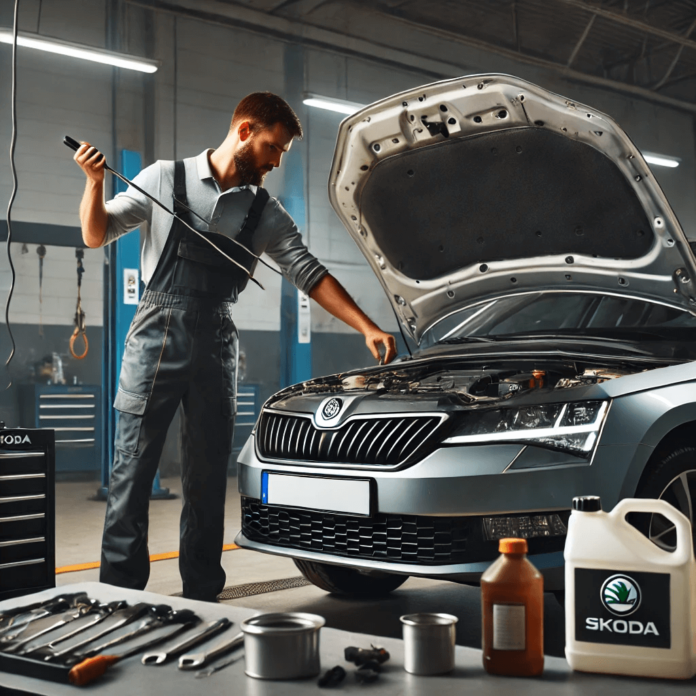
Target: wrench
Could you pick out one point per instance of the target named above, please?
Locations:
(196, 660)
(100, 612)
(127, 615)
(7, 618)
(53, 606)
(92, 668)
(211, 629)
(105, 611)
(76, 613)
(218, 666)
(162, 615)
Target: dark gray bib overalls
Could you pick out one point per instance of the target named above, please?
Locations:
(181, 348)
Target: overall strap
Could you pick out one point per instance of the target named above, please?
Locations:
(253, 217)
(180, 188)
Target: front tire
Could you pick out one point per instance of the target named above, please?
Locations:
(348, 581)
(671, 478)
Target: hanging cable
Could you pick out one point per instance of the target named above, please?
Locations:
(80, 330)
(41, 251)
(13, 195)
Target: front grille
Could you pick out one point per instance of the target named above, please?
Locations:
(363, 441)
(394, 538)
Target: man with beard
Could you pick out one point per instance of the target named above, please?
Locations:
(182, 344)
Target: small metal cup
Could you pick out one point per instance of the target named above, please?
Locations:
(428, 643)
(282, 646)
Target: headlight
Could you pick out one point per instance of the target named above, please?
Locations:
(572, 428)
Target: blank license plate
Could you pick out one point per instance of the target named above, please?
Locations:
(316, 493)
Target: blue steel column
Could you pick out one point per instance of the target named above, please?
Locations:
(123, 254)
(108, 419)
(295, 357)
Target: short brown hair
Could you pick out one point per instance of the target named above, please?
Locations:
(265, 109)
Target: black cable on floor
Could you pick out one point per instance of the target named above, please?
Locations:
(13, 142)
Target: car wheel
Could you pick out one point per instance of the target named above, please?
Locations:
(673, 479)
(348, 581)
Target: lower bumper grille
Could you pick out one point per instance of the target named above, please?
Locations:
(394, 538)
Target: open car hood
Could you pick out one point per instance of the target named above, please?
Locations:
(487, 185)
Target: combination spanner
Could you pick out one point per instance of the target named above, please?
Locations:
(211, 629)
(201, 659)
(124, 616)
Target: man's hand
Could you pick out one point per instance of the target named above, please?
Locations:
(376, 339)
(91, 162)
(332, 296)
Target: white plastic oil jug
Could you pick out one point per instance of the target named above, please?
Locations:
(630, 605)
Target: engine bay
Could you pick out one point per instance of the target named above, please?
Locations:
(496, 381)
(485, 384)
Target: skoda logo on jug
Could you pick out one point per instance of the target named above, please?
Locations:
(622, 609)
(621, 595)
(331, 409)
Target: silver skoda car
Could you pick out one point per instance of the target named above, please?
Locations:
(529, 253)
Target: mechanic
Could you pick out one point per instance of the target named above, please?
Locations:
(182, 345)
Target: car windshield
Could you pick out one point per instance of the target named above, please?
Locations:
(564, 313)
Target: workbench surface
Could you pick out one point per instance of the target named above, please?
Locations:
(131, 678)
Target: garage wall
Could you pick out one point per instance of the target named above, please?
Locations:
(186, 106)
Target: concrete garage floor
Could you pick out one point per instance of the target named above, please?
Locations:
(79, 521)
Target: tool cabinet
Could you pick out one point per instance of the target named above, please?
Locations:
(74, 413)
(248, 407)
(27, 511)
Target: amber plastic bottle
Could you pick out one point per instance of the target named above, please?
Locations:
(512, 607)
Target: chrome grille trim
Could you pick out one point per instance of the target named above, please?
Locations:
(374, 441)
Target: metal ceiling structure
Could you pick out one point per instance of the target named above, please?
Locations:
(642, 47)
(641, 43)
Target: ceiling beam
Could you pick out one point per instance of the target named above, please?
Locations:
(287, 29)
(581, 41)
(679, 78)
(311, 34)
(304, 6)
(628, 21)
(515, 25)
(676, 58)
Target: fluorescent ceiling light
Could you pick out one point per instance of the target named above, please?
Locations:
(67, 48)
(341, 106)
(661, 160)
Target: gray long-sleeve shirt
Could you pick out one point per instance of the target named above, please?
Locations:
(276, 235)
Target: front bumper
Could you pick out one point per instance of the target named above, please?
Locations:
(463, 483)
(550, 564)
(446, 547)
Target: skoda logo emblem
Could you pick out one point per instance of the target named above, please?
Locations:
(621, 595)
(331, 409)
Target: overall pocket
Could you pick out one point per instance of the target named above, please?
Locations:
(131, 408)
(143, 353)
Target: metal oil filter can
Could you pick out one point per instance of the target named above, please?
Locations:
(282, 645)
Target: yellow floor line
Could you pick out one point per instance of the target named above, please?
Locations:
(153, 558)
